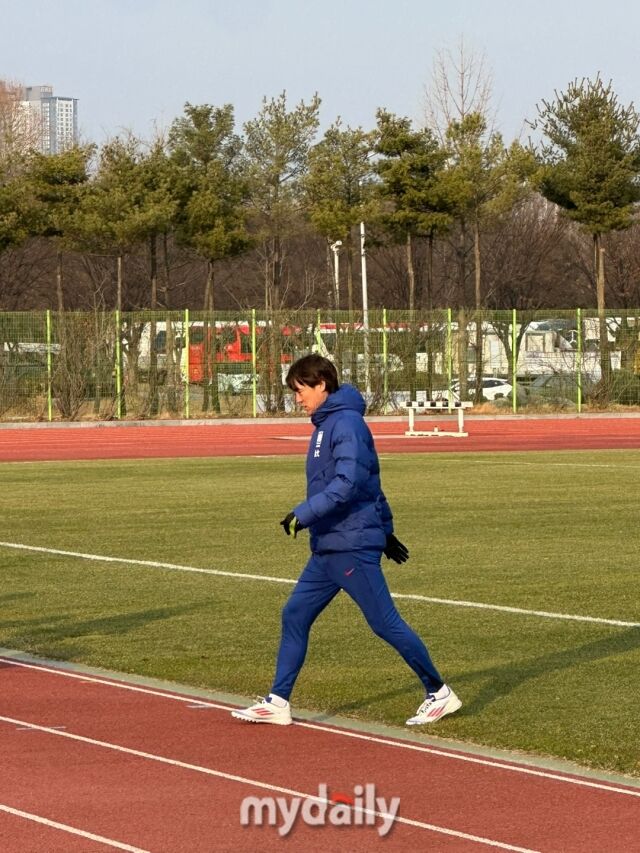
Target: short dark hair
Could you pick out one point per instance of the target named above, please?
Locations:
(311, 370)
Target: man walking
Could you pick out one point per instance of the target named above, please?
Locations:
(351, 526)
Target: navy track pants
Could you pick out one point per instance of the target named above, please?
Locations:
(360, 575)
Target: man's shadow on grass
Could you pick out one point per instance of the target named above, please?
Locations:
(503, 679)
(52, 629)
(10, 597)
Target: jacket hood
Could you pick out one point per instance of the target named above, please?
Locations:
(346, 397)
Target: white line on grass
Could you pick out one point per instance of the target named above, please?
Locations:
(117, 845)
(100, 558)
(505, 609)
(452, 602)
(493, 462)
(230, 777)
(334, 730)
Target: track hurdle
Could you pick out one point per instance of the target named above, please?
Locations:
(433, 406)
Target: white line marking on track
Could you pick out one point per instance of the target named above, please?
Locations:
(29, 729)
(332, 730)
(231, 777)
(117, 845)
(451, 602)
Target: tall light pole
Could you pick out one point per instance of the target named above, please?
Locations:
(365, 309)
(335, 248)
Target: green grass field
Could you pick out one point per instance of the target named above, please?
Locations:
(541, 531)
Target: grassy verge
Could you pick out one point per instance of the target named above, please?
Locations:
(539, 531)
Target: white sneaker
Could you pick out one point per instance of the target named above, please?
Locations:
(272, 710)
(436, 705)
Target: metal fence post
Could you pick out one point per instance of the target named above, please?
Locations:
(449, 359)
(118, 368)
(579, 356)
(49, 389)
(385, 365)
(187, 377)
(514, 362)
(254, 378)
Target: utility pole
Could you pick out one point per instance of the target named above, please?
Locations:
(335, 248)
(365, 310)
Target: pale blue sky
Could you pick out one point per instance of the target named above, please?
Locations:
(135, 62)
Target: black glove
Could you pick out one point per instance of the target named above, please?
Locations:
(395, 550)
(291, 524)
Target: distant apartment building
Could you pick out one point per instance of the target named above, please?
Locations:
(55, 117)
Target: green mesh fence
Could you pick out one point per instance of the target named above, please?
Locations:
(25, 366)
(183, 364)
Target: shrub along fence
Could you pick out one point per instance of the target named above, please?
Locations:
(183, 364)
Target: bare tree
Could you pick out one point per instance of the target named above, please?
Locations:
(521, 255)
(623, 264)
(461, 83)
(457, 99)
(25, 273)
(20, 126)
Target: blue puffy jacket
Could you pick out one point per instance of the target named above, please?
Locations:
(345, 509)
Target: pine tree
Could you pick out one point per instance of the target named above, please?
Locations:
(589, 167)
(211, 191)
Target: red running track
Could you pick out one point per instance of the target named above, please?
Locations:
(289, 436)
(87, 787)
(145, 769)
